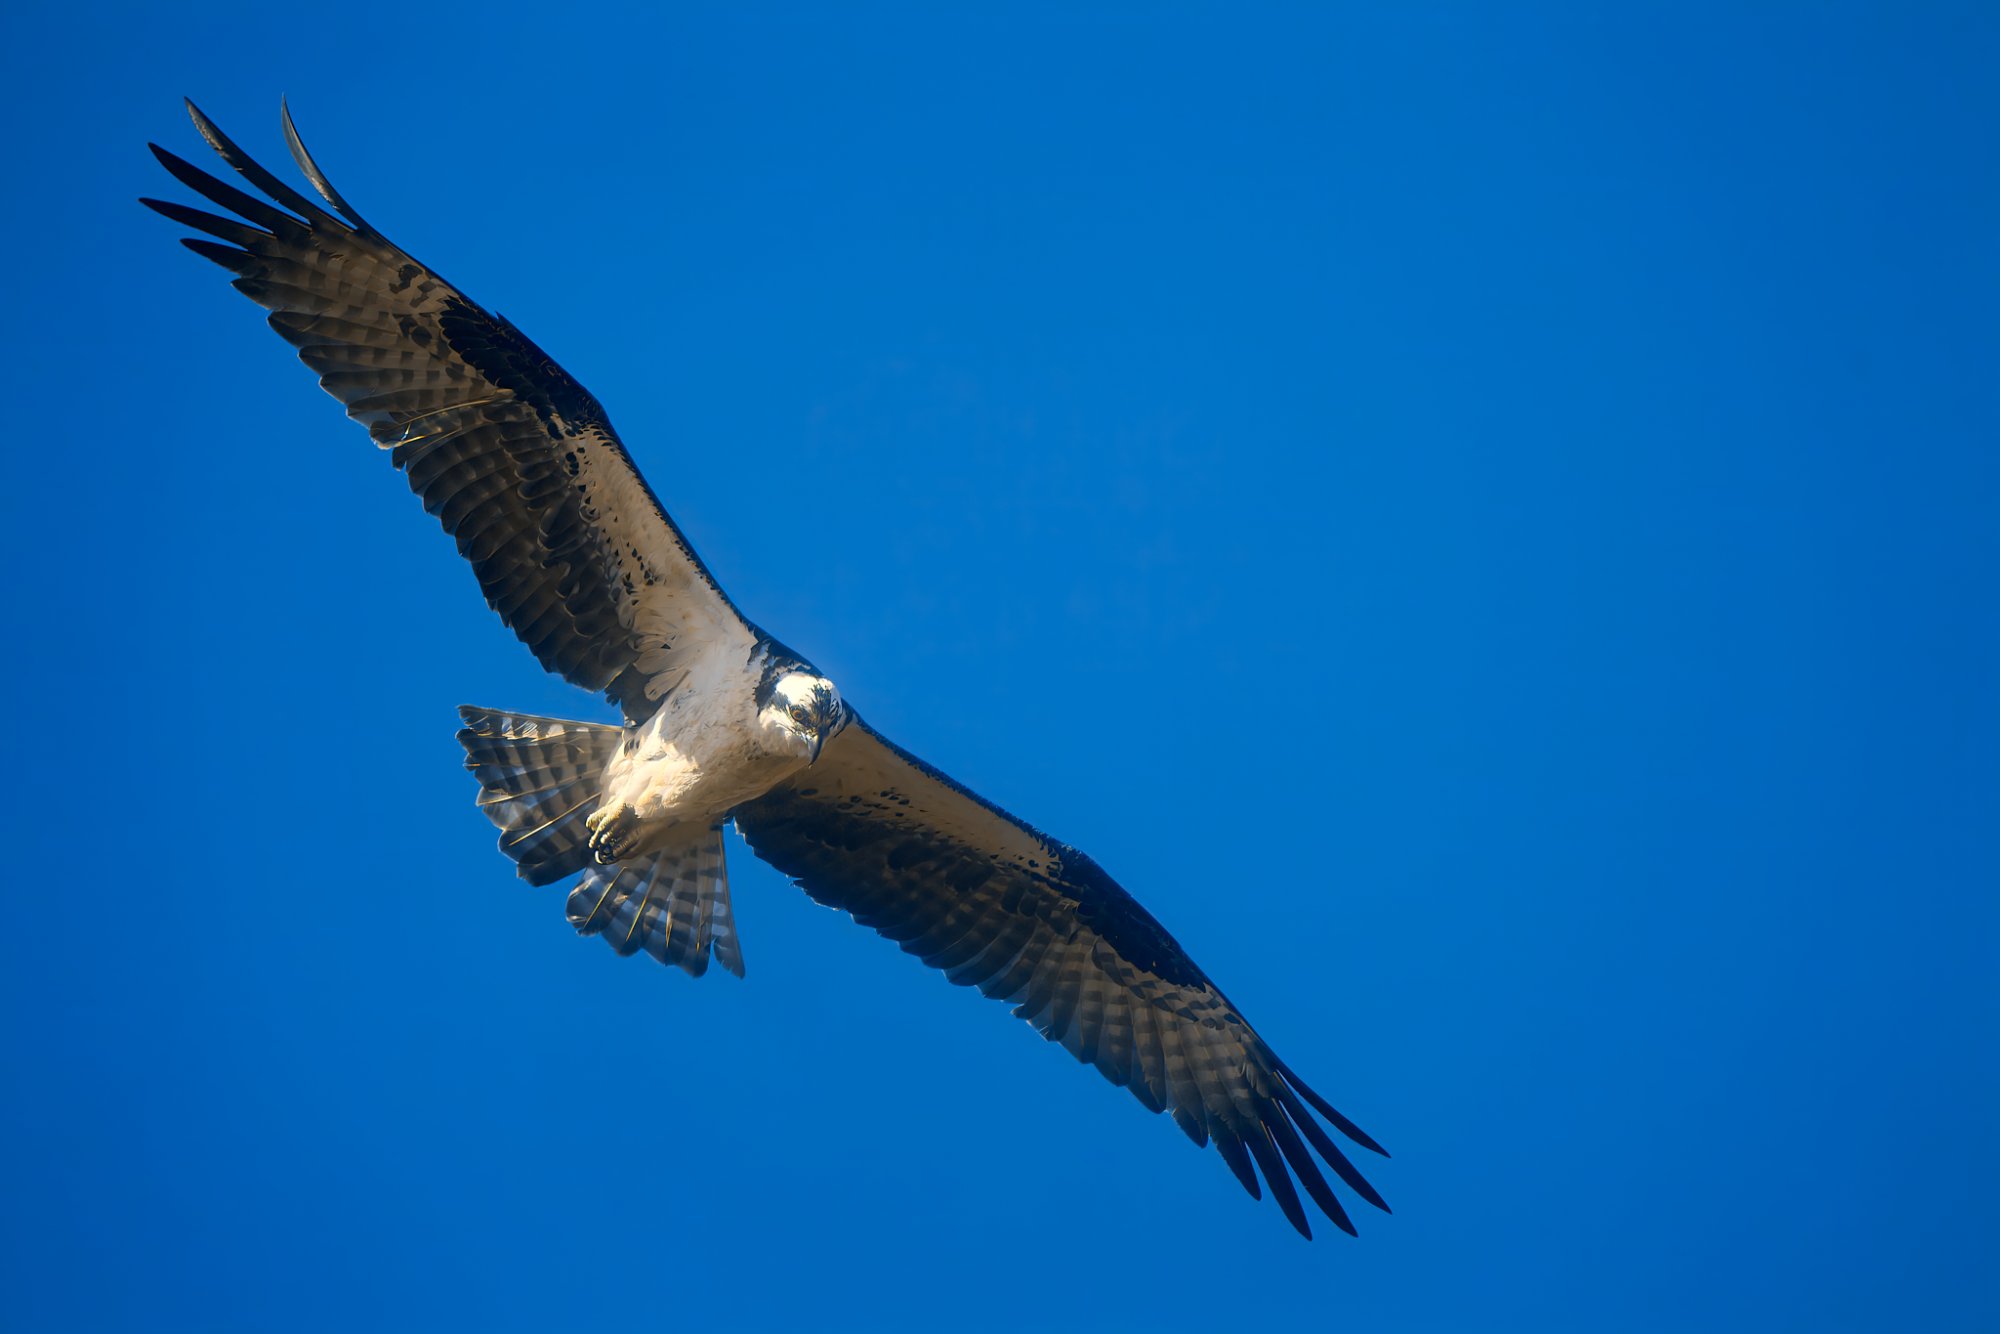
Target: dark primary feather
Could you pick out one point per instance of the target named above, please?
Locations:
(994, 904)
(514, 457)
(520, 465)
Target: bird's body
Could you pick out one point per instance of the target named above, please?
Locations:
(706, 750)
(694, 761)
(721, 723)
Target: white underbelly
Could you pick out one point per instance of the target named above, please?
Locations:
(680, 787)
(692, 774)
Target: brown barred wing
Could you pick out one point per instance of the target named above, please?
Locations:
(513, 456)
(994, 904)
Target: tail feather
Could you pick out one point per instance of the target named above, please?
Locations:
(673, 904)
(538, 780)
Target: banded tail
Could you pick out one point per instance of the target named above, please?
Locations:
(673, 904)
(540, 779)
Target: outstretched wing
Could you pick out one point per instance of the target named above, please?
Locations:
(970, 890)
(514, 457)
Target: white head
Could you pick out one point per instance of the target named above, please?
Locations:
(800, 711)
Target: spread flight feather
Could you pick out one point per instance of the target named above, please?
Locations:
(521, 466)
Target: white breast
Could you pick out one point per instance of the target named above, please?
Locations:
(700, 756)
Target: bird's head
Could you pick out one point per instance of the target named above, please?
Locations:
(801, 712)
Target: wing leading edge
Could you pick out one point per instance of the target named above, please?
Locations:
(994, 904)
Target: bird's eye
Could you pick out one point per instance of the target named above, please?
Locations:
(799, 713)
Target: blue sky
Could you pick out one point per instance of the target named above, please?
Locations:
(1543, 466)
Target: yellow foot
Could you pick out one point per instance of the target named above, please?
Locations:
(614, 832)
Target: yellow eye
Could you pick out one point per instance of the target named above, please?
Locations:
(799, 713)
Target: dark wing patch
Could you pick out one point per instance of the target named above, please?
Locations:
(513, 456)
(994, 904)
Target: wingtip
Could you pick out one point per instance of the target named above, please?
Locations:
(312, 171)
(1362, 1138)
(1326, 1109)
(1373, 1196)
(204, 126)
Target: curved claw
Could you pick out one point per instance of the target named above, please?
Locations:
(612, 830)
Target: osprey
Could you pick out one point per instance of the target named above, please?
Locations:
(721, 722)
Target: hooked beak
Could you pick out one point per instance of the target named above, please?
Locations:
(812, 756)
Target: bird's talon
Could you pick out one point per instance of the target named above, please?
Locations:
(611, 830)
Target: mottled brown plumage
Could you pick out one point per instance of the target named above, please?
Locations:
(521, 466)
(513, 456)
(995, 904)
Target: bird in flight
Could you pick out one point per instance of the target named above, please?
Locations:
(721, 722)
